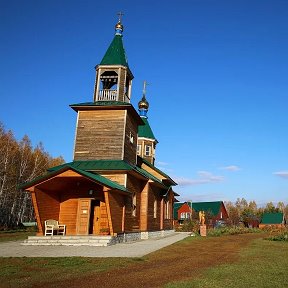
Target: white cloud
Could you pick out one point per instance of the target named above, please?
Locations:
(230, 168)
(204, 177)
(162, 163)
(282, 174)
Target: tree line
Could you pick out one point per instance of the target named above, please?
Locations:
(245, 212)
(19, 163)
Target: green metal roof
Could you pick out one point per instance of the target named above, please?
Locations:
(158, 170)
(96, 165)
(272, 218)
(145, 130)
(115, 54)
(211, 207)
(108, 165)
(62, 168)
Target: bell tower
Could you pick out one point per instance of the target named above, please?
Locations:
(107, 127)
(113, 77)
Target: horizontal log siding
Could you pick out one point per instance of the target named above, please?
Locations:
(168, 223)
(116, 202)
(132, 223)
(130, 149)
(100, 135)
(153, 223)
(48, 206)
(117, 177)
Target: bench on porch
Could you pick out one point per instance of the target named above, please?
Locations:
(53, 225)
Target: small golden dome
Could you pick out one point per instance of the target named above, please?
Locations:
(119, 26)
(143, 104)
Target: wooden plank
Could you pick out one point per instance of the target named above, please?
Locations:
(144, 208)
(106, 128)
(106, 196)
(83, 216)
(37, 216)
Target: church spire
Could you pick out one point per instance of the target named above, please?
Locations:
(143, 104)
(113, 76)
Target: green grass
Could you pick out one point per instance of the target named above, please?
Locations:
(231, 231)
(28, 272)
(15, 235)
(262, 264)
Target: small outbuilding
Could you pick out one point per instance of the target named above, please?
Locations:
(214, 210)
(272, 219)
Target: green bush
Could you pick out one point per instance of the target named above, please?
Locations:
(231, 231)
(282, 235)
(189, 226)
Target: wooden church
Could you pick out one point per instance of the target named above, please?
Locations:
(112, 185)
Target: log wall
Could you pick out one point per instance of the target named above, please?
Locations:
(130, 147)
(132, 223)
(99, 135)
(48, 205)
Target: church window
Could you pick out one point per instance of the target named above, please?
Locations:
(131, 138)
(147, 150)
(134, 202)
(167, 210)
(138, 149)
(155, 207)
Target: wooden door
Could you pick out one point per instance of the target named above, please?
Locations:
(96, 222)
(83, 216)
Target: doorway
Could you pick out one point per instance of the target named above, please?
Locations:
(88, 217)
(94, 223)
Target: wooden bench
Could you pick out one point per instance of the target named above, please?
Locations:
(53, 225)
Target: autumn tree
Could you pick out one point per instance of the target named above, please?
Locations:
(19, 163)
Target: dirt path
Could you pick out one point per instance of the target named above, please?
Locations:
(177, 262)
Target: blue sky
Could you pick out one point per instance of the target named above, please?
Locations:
(217, 73)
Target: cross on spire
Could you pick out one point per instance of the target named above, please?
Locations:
(144, 88)
(120, 14)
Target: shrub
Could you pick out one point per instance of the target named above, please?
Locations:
(279, 234)
(231, 231)
(189, 226)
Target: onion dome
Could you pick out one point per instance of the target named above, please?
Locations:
(119, 27)
(143, 103)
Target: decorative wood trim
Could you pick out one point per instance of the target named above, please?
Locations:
(75, 134)
(124, 134)
(36, 211)
(106, 196)
(161, 214)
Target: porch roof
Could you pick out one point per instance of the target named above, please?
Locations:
(92, 176)
(108, 165)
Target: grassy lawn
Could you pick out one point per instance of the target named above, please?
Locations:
(262, 264)
(31, 272)
(225, 261)
(15, 235)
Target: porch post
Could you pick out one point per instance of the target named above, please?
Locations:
(106, 196)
